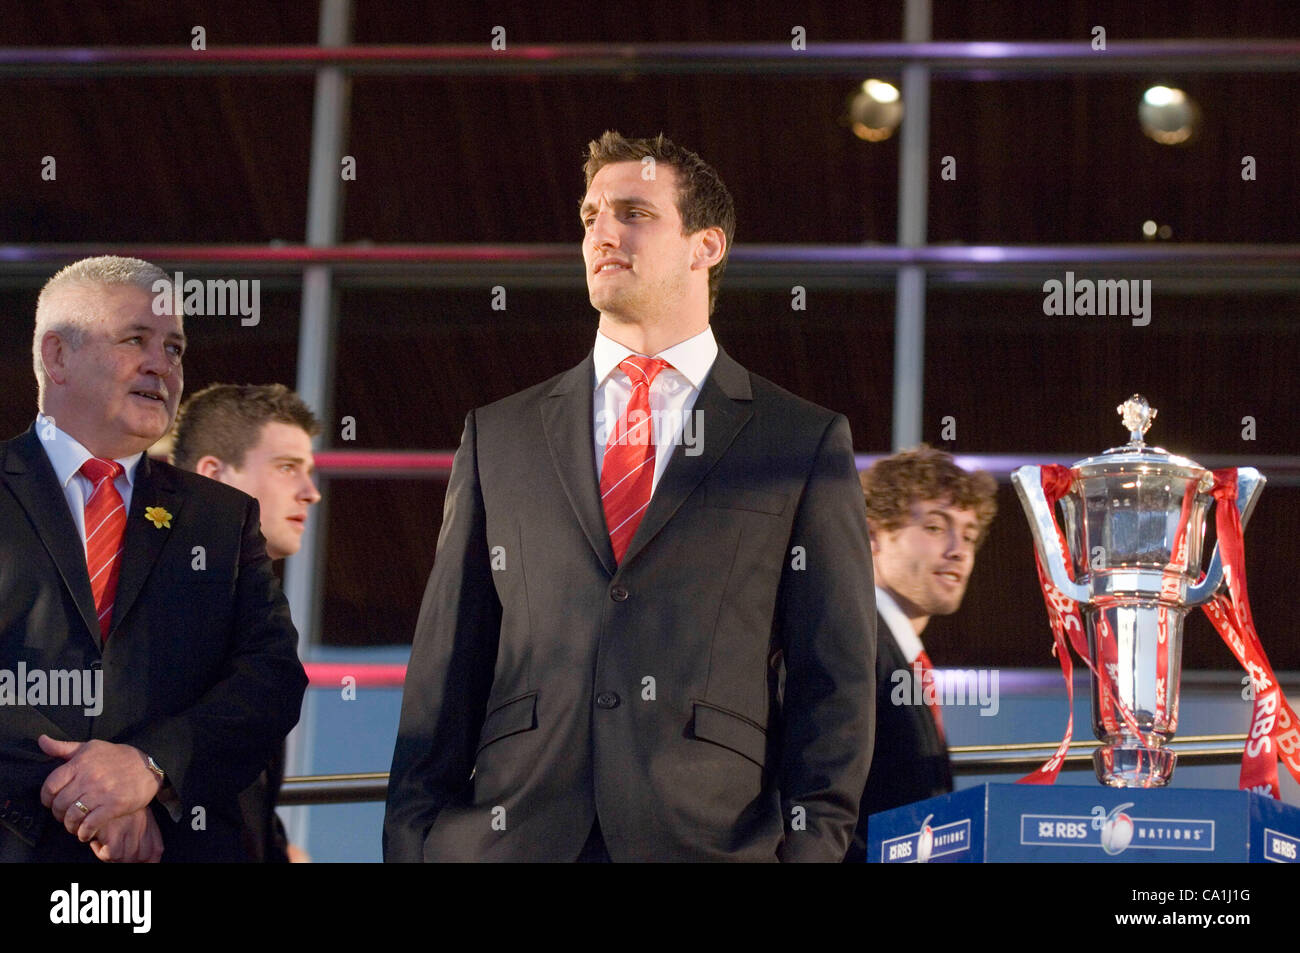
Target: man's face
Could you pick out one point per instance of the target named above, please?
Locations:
(278, 471)
(926, 563)
(121, 387)
(638, 261)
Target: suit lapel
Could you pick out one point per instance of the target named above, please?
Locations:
(31, 478)
(568, 420)
(724, 407)
(142, 541)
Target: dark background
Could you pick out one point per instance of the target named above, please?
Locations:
(1048, 160)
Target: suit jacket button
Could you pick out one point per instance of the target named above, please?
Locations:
(607, 700)
(619, 594)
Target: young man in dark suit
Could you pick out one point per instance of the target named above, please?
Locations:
(631, 552)
(927, 518)
(257, 438)
(152, 583)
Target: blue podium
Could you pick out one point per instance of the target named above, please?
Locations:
(1067, 824)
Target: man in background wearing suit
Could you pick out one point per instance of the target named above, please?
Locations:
(257, 438)
(632, 554)
(927, 517)
(151, 583)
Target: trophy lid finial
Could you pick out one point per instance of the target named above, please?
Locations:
(1137, 415)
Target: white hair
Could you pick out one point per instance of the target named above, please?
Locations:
(70, 317)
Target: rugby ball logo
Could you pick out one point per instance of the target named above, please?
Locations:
(1117, 830)
(924, 841)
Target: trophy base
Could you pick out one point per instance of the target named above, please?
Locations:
(1133, 766)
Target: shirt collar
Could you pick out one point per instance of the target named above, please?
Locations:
(692, 358)
(909, 643)
(67, 454)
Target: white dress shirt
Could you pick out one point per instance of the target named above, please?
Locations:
(909, 643)
(672, 393)
(66, 456)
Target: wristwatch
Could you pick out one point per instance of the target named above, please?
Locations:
(167, 796)
(153, 766)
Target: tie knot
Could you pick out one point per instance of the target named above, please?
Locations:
(640, 369)
(97, 470)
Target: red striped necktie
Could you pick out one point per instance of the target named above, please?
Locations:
(627, 475)
(927, 680)
(105, 521)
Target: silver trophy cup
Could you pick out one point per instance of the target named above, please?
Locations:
(1134, 523)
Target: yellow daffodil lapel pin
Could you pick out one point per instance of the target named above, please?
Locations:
(158, 516)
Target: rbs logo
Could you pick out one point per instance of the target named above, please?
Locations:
(900, 851)
(1075, 830)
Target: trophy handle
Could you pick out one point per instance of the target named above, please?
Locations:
(1028, 482)
(1249, 482)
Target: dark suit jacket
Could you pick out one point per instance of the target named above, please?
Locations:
(200, 669)
(548, 686)
(263, 836)
(910, 762)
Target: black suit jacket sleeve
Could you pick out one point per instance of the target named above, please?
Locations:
(452, 656)
(216, 747)
(263, 835)
(827, 621)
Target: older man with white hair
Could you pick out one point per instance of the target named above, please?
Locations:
(150, 585)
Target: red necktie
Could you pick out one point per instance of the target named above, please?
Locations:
(627, 474)
(928, 680)
(105, 521)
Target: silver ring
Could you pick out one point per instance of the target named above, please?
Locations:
(81, 807)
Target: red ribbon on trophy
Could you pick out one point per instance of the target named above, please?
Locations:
(1274, 732)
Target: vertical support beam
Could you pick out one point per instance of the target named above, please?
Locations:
(913, 181)
(304, 572)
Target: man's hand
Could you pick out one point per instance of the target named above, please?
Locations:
(131, 839)
(107, 780)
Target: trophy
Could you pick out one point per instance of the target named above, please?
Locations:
(1134, 524)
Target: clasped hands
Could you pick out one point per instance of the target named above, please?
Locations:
(101, 793)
